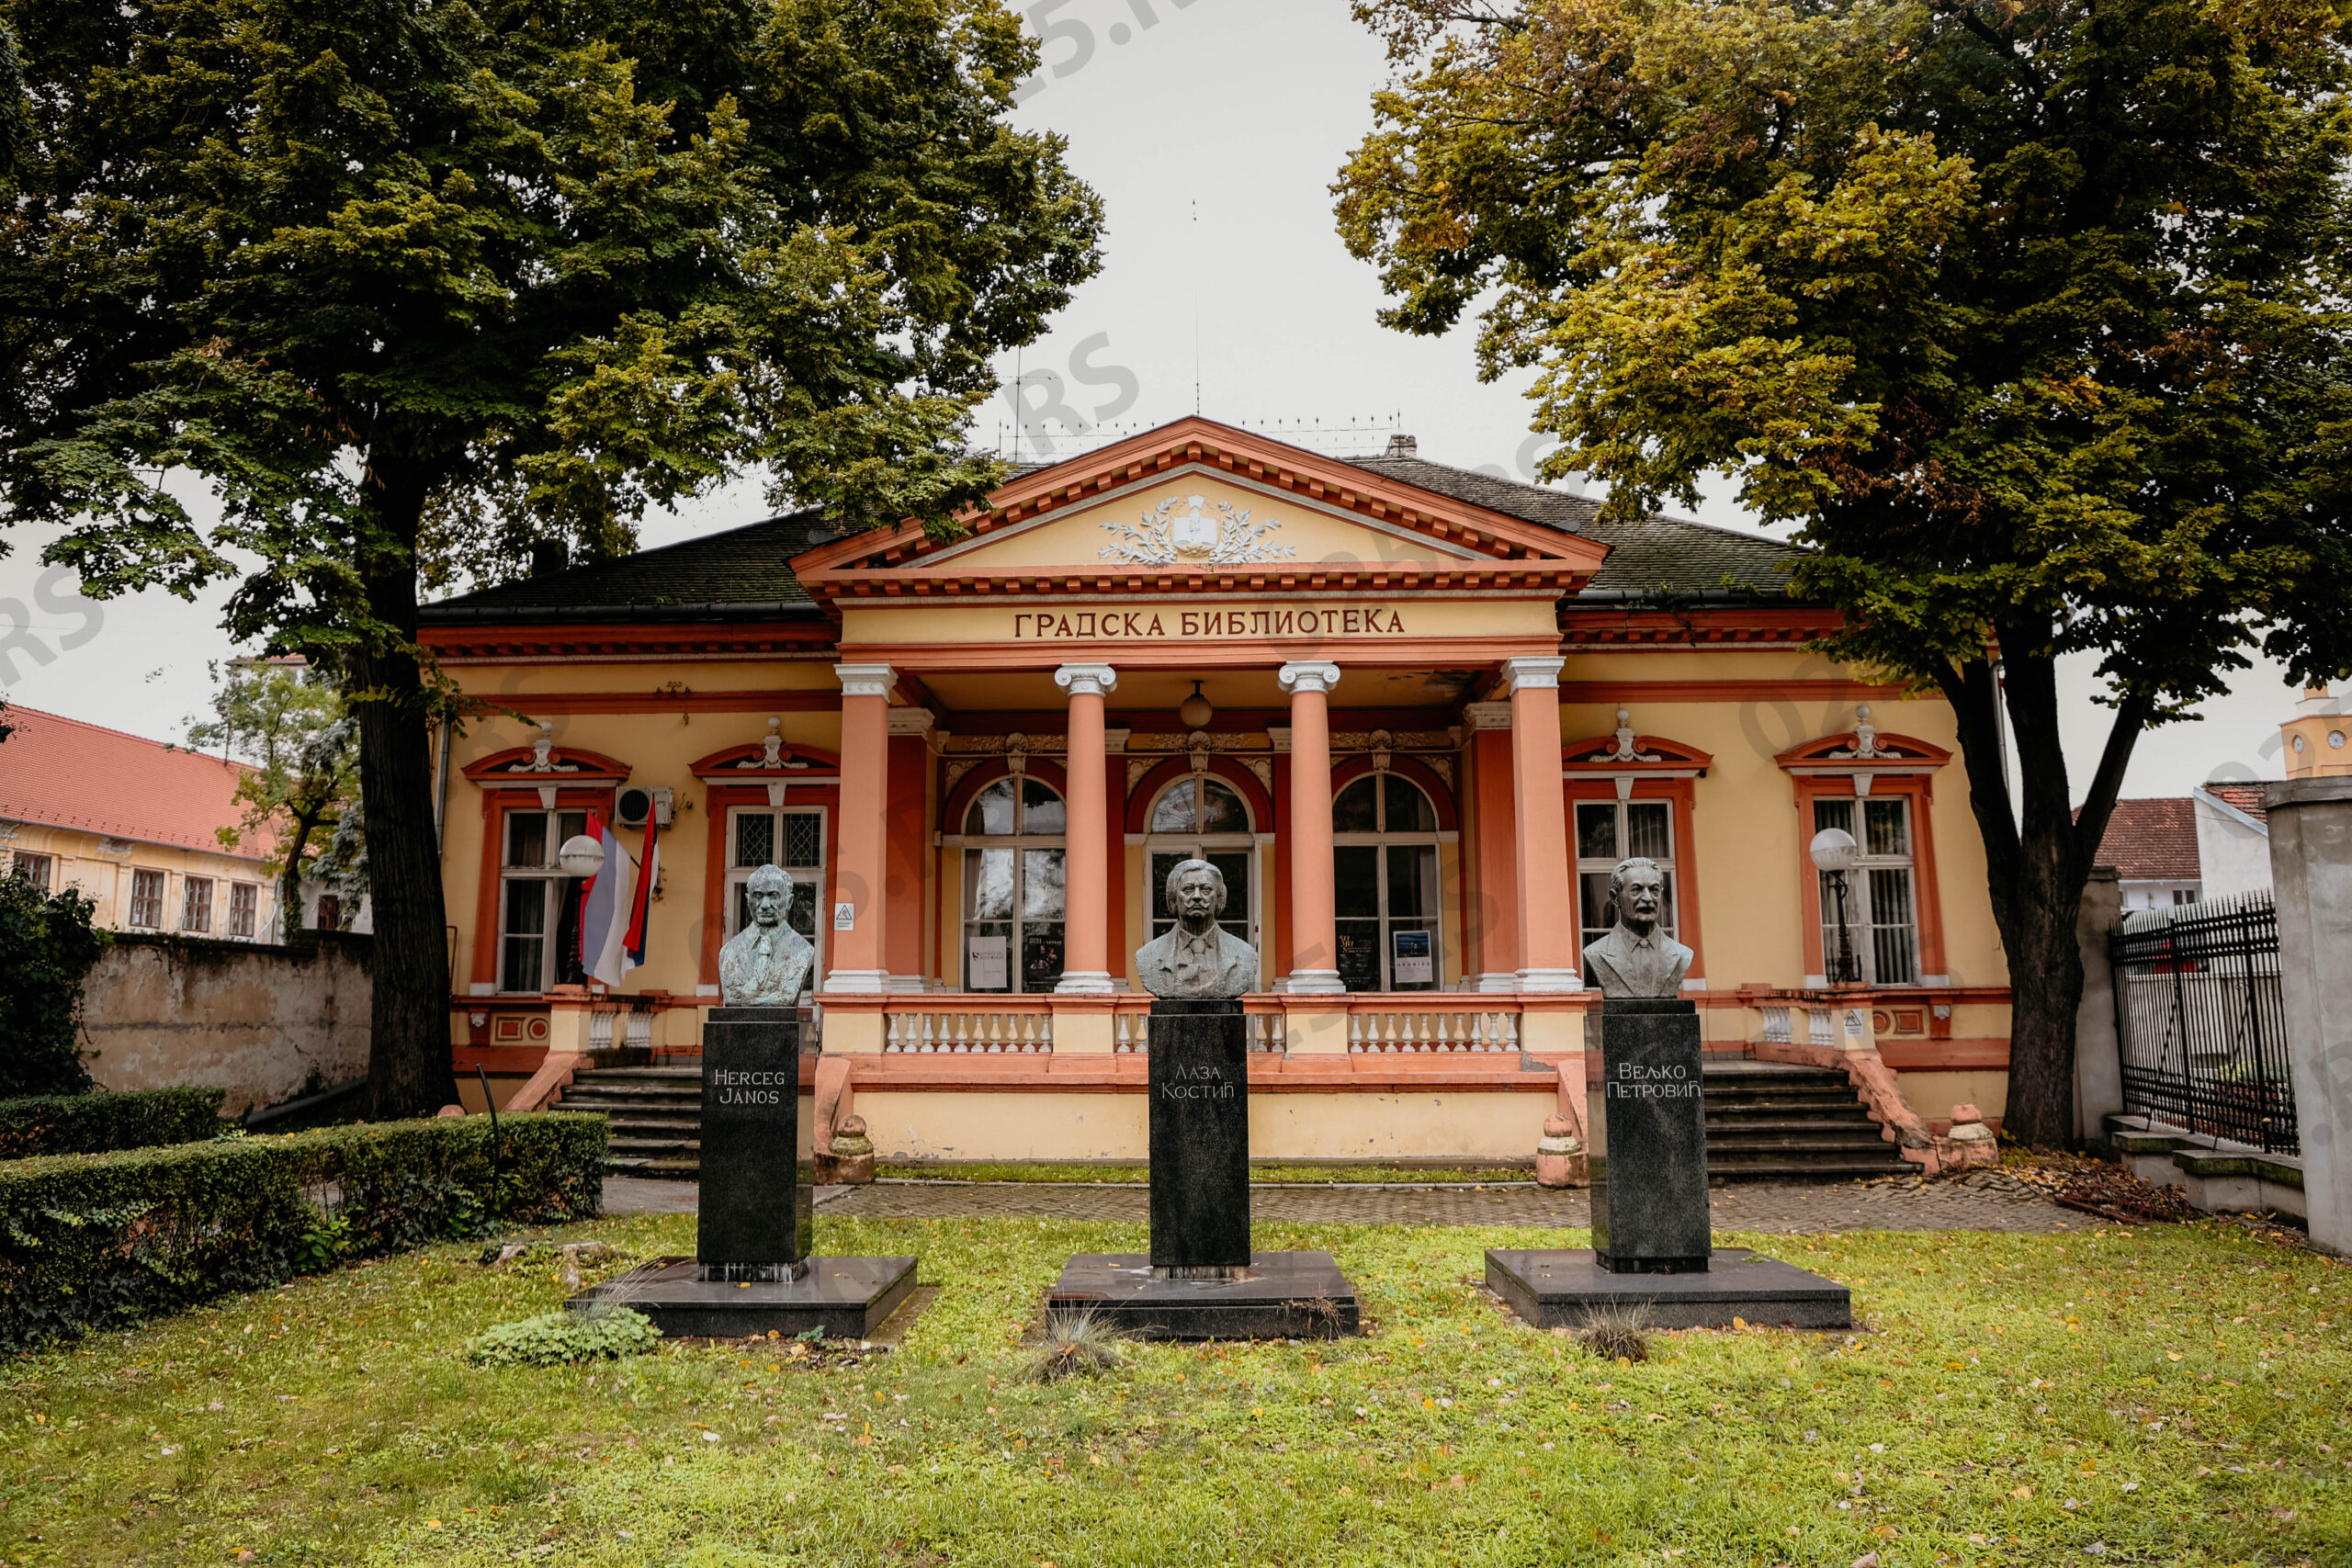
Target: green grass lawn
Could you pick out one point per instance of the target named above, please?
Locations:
(2175, 1395)
(1260, 1173)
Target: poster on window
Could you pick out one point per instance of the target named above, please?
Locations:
(984, 963)
(1359, 960)
(1411, 962)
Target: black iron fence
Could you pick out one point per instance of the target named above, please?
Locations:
(2201, 1023)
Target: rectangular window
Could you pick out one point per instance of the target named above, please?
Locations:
(196, 904)
(1609, 833)
(38, 870)
(792, 840)
(538, 926)
(244, 907)
(147, 900)
(1880, 930)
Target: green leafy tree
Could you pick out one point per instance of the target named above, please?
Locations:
(48, 943)
(412, 282)
(2031, 313)
(291, 726)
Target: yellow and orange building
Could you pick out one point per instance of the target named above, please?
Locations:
(1413, 712)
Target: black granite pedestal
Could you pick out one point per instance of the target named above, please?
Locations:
(1649, 1175)
(752, 1272)
(1200, 1136)
(1559, 1289)
(1200, 1279)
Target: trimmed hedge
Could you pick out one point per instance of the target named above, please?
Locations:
(91, 1242)
(97, 1122)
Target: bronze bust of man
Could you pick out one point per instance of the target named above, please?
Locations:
(766, 962)
(1634, 958)
(1199, 958)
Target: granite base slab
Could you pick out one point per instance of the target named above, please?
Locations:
(1281, 1295)
(1562, 1289)
(848, 1298)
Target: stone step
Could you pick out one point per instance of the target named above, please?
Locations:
(1800, 1126)
(633, 1104)
(683, 1170)
(1812, 1170)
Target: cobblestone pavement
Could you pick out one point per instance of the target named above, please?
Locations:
(1977, 1202)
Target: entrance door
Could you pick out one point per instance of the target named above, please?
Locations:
(1202, 818)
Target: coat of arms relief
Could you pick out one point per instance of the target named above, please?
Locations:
(1168, 536)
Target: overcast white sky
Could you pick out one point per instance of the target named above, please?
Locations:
(1214, 133)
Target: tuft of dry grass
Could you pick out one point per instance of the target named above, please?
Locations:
(1618, 1333)
(1076, 1345)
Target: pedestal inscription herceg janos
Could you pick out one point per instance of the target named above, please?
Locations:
(752, 1271)
(1201, 1280)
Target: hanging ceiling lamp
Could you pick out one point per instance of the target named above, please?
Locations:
(1196, 710)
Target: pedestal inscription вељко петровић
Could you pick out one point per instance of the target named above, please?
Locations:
(1652, 1240)
(1201, 1280)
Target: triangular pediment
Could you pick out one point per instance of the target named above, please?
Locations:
(1202, 502)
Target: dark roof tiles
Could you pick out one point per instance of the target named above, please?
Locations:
(751, 566)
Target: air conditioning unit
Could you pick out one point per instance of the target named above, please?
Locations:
(634, 805)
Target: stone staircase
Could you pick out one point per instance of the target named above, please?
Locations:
(656, 1116)
(1779, 1121)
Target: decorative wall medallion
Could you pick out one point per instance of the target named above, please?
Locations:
(543, 755)
(1262, 770)
(1167, 537)
(956, 769)
(1442, 767)
(1137, 768)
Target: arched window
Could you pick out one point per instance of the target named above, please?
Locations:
(1201, 817)
(1384, 838)
(1013, 899)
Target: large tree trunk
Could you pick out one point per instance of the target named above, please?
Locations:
(2037, 861)
(408, 1071)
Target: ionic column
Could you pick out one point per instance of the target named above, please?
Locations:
(854, 925)
(1086, 882)
(1315, 938)
(1494, 779)
(1547, 900)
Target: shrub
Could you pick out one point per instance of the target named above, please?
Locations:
(557, 1338)
(103, 1241)
(48, 943)
(96, 1123)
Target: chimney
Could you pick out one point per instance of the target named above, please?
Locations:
(1403, 447)
(547, 556)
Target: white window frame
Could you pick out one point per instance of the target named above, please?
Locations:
(1383, 838)
(199, 908)
(1249, 841)
(1861, 927)
(1015, 842)
(153, 908)
(41, 870)
(552, 881)
(730, 896)
(251, 892)
(1588, 865)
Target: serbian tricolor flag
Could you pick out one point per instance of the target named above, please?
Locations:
(605, 908)
(640, 910)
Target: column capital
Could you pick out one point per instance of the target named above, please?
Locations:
(866, 680)
(1531, 675)
(1487, 715)
(1086, 680)
(911, 721)
(1310, 676)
